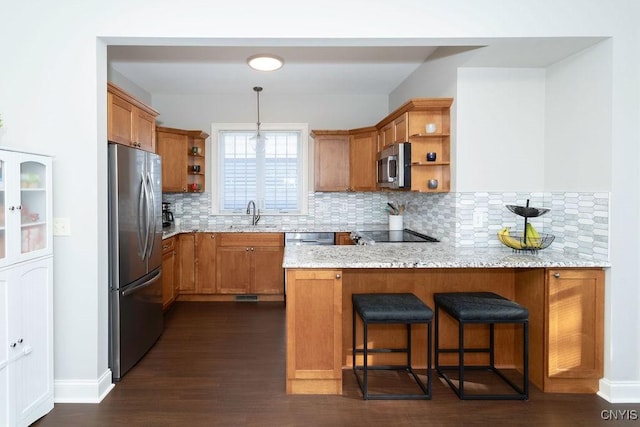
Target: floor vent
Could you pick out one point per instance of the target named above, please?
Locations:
(247, 298)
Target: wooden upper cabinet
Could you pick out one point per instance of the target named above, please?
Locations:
(400, 126)
(387, 136)
(172, 148)
(129, 121)
(179, 159)
(408, 124)
(345, 160)
(331, 160)
(362, 159)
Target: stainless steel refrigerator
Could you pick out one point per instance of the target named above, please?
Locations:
(135, 256)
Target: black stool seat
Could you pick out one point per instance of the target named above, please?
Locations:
(481, 307)
(390, 308)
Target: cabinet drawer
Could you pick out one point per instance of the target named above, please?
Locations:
(168, 245)
(251, 239)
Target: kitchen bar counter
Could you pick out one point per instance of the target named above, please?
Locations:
(396, 255)
(427, 255)
(564, 296)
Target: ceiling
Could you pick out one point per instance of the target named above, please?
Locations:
(318, 67)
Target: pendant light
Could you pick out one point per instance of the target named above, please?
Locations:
(257, 90)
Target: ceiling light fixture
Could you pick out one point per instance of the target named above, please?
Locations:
(264, 62)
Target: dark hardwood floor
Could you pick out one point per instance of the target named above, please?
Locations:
(223, 364)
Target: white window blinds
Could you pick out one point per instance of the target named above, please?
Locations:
(267, 169)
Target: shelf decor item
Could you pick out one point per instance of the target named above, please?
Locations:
(529, 240)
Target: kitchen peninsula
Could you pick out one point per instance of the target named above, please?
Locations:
(564, 295)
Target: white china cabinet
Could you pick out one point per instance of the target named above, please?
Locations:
(26, 288)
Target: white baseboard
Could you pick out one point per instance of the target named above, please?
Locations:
(620, 391)
(82, 391)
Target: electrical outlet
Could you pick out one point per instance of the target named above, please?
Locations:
(478, 218)
(61, 226)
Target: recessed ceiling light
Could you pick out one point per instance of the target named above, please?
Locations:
(264, 62)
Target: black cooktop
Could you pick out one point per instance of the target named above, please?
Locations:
(406, 235)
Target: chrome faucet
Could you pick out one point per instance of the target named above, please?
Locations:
(256, 214)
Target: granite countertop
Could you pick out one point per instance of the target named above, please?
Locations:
(426, 255)
(396, 255)
(265, 228)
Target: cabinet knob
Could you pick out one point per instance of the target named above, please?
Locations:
(556, 275)
(252, 249)
(338, 276)
(213, 236)
(20, 341)
(13, 345)
(246, 249)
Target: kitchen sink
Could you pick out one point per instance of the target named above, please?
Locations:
(252, 227)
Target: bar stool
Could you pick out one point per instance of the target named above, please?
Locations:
(400, 308)
(481, 308)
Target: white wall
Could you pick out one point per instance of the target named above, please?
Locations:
(578, 122)
(127, 85)
(325, 111)
(436, 78)
(500, 135)
(52, 99)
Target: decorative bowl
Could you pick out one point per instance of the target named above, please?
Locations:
(516, 241)
(526, 211)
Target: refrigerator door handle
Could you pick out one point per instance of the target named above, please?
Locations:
(151, 222)
(142, 222)
(136, 288)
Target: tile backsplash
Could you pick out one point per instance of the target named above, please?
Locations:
(580, 221)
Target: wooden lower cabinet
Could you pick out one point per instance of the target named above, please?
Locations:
(169, 270)
(250, 263)
(186, 264)
(314, 332)
(216, 265)
(205, 259)
(344, 238)
(566, 315)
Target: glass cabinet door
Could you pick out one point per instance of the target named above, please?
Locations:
(33, 206)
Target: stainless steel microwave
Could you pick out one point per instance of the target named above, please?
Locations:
(393, 165)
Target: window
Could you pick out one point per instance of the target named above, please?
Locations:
(271, 169)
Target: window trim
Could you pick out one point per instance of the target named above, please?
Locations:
(303, 128)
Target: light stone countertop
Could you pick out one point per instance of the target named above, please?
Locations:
(173, 230)
(397, 255)
(426, 255)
